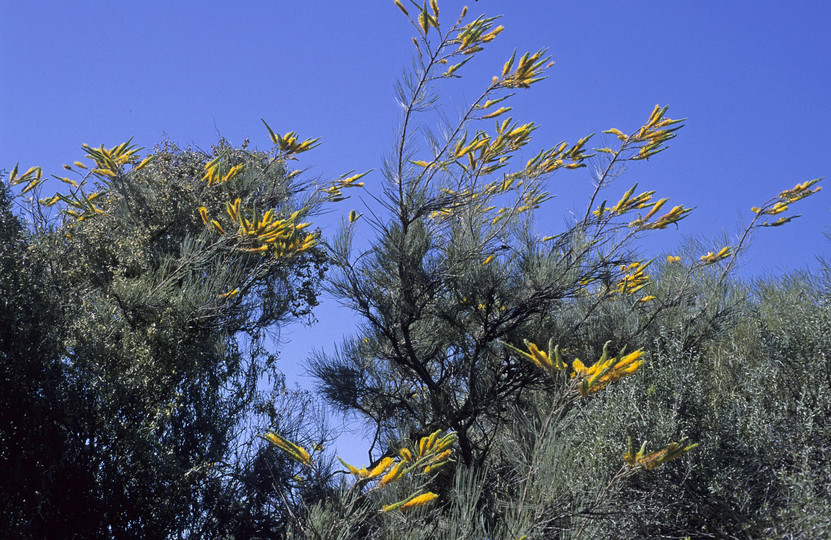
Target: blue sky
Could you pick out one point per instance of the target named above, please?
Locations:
(752, 79)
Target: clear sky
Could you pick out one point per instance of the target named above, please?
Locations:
(753, 80)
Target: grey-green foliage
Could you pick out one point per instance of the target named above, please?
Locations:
(444, 281)
(157, 371)
(755, 395)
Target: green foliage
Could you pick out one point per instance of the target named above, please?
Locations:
(137, 370)
(456, 289)
(671, 401)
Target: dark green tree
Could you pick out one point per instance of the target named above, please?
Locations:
(136, 318)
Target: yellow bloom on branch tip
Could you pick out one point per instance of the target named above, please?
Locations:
(229, 294)
(413, 501)
(381, 468)
(406, 455)
(420, 500)
(401, 7)
(294, 451)
(393, 474)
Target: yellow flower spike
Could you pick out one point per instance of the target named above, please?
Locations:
(234, 171)
(352, 469)
(104, 172)
(295, 451)
(487, 38)
(629, 360)
(443, 445)
(400, 6)
(438, 460)
(657, 206)
(424, 20)
(143, 163)
(265, 221)
(394, 473)
(497, 112)
(778, 208)
(646, 299)
(203, 213)
(488, 260)
(50, 201)
(671, 259)
(414, 500)
(539, 357)
(30, 186)
(711, 257)
(382, 467)
(431, 441)
(349, 182)
(618, 133)
(406, 455)
(419, 500)
(217, 226)
(655, 459)
(228, 295)
(631, 457)
(233, 210)
(80, 165)
(353, 216)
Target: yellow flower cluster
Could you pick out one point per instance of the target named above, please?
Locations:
(34, 176)
(655, 459)
(108, 162)
(213, 172)
(560, 156)
(288, 143)
(592, 379)
(634, 278)
(528, 71)
(474, 34)
(550, 362)
(260, 234)
(781, 202)
(334, 191)
(434, 450)
(800, 191)
(711, 257)
(652, 135)
(606, 370)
